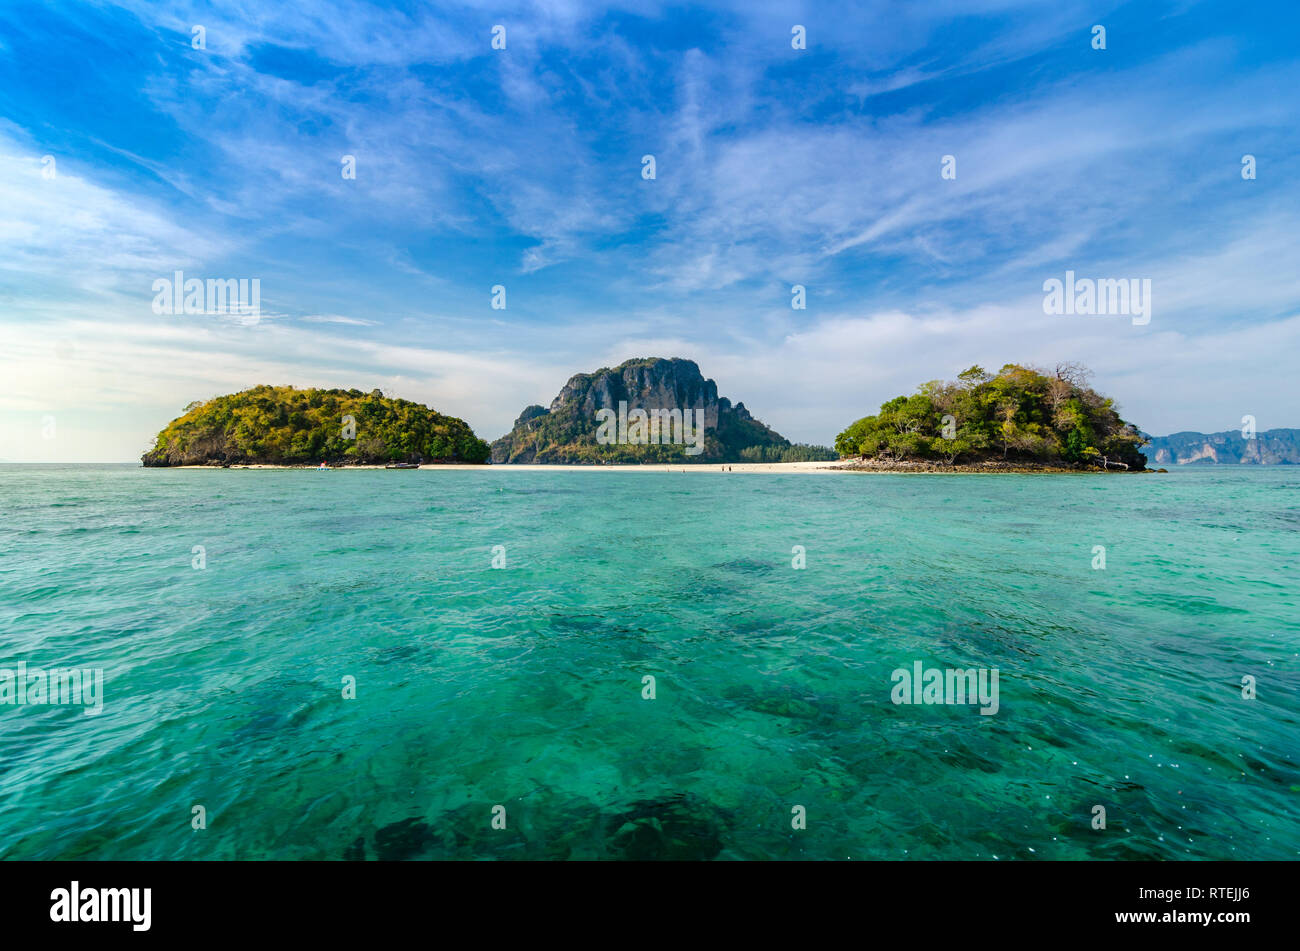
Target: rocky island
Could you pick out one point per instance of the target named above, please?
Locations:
(650, 410)
(281, 425)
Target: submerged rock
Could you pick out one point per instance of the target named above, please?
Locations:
(402, 840)
(782, 703)
(678, 828)
(356, 852)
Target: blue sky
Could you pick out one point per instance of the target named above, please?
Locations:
(522, 167)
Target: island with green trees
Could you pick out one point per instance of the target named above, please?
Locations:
(1018, 419)
(281, 425)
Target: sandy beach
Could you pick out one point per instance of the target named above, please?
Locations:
(823, 466)
(762, 467)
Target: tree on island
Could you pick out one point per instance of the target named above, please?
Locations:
(1020, 413)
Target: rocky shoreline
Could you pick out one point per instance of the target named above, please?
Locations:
(985, 465)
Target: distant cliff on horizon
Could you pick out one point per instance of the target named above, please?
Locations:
(1274, 447)
(652, 409)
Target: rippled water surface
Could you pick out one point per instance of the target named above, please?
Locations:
(522, 687)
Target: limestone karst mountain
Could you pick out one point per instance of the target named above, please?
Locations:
(597, 418)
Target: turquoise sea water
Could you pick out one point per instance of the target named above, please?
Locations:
(522, 686)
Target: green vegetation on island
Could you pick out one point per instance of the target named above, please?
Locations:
(281, 425)
(797, 452)
(1019, 415)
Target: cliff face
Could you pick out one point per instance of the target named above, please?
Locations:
(1271, 448)
(570, 430)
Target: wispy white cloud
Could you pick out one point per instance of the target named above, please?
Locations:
(338, 319)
